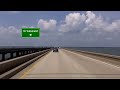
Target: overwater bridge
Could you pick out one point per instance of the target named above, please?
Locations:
(37, 63)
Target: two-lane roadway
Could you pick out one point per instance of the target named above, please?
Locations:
(68, 65)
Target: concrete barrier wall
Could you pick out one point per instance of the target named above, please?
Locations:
(117, 58)
(10, 64)
(12, 72)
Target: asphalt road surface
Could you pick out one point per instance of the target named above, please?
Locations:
(68, 65)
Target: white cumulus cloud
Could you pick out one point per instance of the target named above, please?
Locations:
(9, 30)
(47, 25)
(88, 21)
(114, 26)
(72, 21)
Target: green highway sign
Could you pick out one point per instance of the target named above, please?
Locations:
(30, 32)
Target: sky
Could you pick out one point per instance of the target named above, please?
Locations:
(61, 28)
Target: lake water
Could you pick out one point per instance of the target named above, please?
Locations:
(106, 50)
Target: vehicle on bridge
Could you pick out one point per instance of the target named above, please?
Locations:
(55, 50)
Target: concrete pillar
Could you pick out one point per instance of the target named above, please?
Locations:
(25, 52)
(19, 54)
(14, 55)
(22, 53)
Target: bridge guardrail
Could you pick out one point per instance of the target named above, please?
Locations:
(117, 58)
(12, 63)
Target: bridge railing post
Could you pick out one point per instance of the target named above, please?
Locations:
(11, 55)
(3, 56)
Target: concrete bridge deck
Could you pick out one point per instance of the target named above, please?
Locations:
(68, 65)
